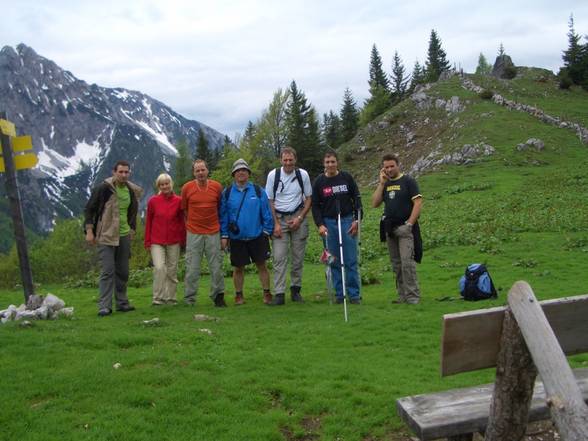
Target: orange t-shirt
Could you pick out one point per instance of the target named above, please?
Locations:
(201, 206)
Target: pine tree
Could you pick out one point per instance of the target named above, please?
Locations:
(483, 67)
(296, 114)
(436, 58)
(375, 105)
(418, 75)
(349, 116)
(331, 129)
(202, 149)
(399, 79)
(573, 55)
(378, 77)
(183, 170)
(501, 50)
(311, 157)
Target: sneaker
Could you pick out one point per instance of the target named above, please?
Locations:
(157, 303)
(104, 312)
(267, 297)
(355, 301)
(239, 299)
(219, 301)
(279, 300)
(125, 308)
(398, 301)
(339, 301)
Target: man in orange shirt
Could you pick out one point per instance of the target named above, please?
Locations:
(200, 202)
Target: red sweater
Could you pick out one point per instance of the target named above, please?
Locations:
(165, 221)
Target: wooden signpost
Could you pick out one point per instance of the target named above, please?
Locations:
(9, 163)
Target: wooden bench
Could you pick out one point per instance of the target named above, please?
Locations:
(492, 337)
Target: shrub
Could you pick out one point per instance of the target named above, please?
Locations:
(486, 94)
(509, 72)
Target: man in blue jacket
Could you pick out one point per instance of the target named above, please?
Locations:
(246, 225)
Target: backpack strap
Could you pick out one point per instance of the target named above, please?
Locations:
(278, 172)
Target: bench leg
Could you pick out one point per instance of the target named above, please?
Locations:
(513, 389)
(466, 437)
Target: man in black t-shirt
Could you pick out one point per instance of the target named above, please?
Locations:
(335, 194)
(402, 207)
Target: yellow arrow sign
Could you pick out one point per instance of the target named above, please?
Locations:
(7, 127)
(28, 160)
(22, 143)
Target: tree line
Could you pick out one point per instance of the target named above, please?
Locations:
(291, 119)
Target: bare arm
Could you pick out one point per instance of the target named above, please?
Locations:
(378, 196)
(416, 210)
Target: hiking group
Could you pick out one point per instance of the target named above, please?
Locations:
(241, 220)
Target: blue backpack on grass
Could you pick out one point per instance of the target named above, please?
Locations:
(476, 283)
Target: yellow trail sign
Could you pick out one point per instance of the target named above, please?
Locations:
(22, 143)
(7, 127)
(28, 160)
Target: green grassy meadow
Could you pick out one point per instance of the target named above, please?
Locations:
(299, 372)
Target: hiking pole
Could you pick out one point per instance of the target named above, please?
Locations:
(359, 218)
(327, 259)
(342, 262)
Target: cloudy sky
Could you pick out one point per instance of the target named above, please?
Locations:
(220, 61)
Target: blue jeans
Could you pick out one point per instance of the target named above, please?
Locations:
(349, 257)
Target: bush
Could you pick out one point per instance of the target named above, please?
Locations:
(509, 72)
(486, 94)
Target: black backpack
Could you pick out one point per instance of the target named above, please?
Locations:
(476, 283)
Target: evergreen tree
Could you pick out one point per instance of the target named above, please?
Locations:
(436, 58)
(249, 131)
(483, 67)
(311, 158)
(375, 105)
(296, 118)
(202, 149)
(399, 79)
(501, 50)
(418, 75)
(349, 116)
(573, 55)
(378, 78)
(183, 171)
(332, 130)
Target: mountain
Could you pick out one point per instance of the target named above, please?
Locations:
(80, 130)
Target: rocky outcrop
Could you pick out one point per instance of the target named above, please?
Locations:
(531, 143)
(502, 67)
(467, 154)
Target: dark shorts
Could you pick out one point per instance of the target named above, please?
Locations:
(243, 252)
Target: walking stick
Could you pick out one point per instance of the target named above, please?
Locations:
(342, 262)
(359, 218)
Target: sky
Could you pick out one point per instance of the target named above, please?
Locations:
(219, 62)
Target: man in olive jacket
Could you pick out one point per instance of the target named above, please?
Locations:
(110, 223)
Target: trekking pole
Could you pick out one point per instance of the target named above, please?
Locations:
(359, 218)
(342, 262)
(328, 275)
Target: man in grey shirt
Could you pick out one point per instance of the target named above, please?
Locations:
(289, 191)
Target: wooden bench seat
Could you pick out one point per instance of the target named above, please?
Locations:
(459, 411)
(471, 341)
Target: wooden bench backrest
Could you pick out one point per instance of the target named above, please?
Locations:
(471, 340)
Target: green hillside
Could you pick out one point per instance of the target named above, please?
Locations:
(299, 372)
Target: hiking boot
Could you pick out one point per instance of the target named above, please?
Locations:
(239, 299)
(267, 297)
(339, 301)
(219, 301)
(295, 294)
(125, 308)
(278, 300)
(355, 301)
(104, 312)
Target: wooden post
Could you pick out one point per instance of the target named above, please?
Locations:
(513, 388)
(12, 192)
(564, 398)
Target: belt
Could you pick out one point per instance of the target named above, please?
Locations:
(288, 213)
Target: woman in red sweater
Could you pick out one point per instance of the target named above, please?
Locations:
(164, 234)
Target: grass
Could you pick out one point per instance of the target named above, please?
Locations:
(299, 372)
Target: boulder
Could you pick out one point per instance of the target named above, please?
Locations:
(501, 67)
